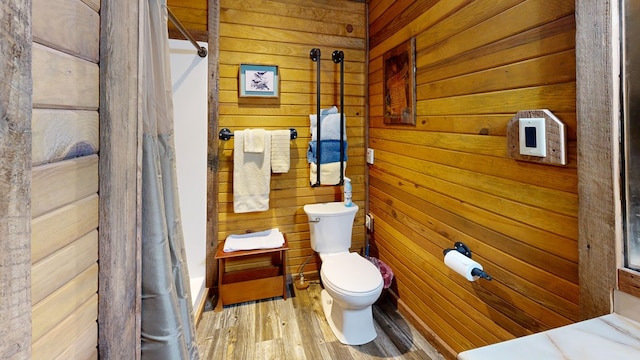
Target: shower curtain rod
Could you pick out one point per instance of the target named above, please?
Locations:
(202, 52)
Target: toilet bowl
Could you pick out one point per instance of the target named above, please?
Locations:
(351, 283)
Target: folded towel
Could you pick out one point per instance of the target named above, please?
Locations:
(280, 151)
(268, 239)
(323, 113)
(329, 173)
(251, 176)
(254, 140)
(330, 127)
(329, 151)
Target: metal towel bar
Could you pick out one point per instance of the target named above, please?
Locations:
(226, 134)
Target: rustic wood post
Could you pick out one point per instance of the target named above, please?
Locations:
(596, 110)
(16, 87)
(120, 136)
(212, 152)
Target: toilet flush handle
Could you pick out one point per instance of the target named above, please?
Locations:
(316, 220)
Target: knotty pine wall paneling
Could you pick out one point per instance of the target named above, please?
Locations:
(283, 32)
(448, 178)
(64, 200)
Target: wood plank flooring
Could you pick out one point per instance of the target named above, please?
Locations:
(296, 329)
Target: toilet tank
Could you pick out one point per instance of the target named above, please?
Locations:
(330, 226)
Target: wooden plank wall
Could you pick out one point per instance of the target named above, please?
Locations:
(15, 179)
(448, 178)
(282, 32)
(65, 179)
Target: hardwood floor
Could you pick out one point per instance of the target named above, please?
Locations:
(296, 329)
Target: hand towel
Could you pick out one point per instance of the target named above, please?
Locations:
(329, 173)
(329, 151)
(268, 239)
(280, 151)
(254, 140)
(251, 176)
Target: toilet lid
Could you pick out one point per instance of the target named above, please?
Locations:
(351, 272)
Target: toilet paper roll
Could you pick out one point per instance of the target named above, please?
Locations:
(461, 264)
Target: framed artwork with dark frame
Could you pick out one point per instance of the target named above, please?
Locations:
(399, 74)
(258, 81)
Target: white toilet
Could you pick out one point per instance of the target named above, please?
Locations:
(351, 283)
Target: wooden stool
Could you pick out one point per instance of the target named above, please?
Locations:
(251, 284)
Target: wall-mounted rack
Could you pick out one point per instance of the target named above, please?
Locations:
(226, 134)
(338, 57)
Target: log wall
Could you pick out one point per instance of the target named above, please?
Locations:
(448, 178)
(282, 32)
(64, 200)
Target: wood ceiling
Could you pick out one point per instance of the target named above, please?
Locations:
(193, 16)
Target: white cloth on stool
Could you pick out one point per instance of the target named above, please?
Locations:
(268, 239)
(251, 176)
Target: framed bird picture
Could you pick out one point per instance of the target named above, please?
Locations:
(258, 81)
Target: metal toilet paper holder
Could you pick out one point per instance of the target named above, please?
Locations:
(464, 250)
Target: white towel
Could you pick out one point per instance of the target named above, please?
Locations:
(269, 239)
(251, 176)
(280, 151)
(254, 140)
(329, 173)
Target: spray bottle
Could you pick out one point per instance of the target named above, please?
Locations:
(347, 192)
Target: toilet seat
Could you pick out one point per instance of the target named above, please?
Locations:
(350, 274)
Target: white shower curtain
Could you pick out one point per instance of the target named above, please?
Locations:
(167, 326)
